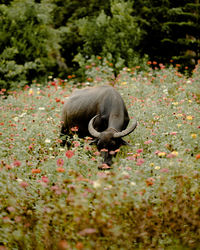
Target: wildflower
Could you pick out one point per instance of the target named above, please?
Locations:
(63, 245)
(150, 181)
(79, 245)
(157, 167)
(45, 179)
(197, 156)
(179, 125)
(104, 166)
(74, 129)
(69, 154)
(164, 170)
(151, 164)
(104, 150)
(140, 150)
(60, 170)
(96, 184)
(148, 142)
(87, 231)
(41, 108)
(161, 154)
(132, 183)
(173, 133)
(175, 153)
(35, 171)
(189, 117)
(47, 141)
(60, 162)
(139, 162)
(194, 136)
(124, 83)
(17, 163)
(30, 92)
(23, 184)
(16, 119)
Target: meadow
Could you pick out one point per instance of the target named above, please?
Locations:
(56, 198)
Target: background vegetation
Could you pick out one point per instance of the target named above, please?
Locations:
(55, 198)
(54, 37)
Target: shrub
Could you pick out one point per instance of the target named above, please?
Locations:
(114, 37)
(28, 44)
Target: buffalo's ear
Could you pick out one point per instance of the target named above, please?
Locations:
(94, 141)
(126, 143)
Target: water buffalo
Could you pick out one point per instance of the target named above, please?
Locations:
(99, 112)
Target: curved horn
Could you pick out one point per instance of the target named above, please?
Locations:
(125, 132)
(91, 129)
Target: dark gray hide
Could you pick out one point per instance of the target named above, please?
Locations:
(99, 112)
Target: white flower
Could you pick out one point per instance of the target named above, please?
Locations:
(133, 183)
(96, 184)
(16, 119)
(41, 108)
(22, 115)
(47, 141)
(19, 180)
(124, 173)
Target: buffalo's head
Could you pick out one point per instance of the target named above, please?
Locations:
(109, 140)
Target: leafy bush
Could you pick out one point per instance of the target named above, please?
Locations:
(114, 37)
(55, 198)
(28, 44)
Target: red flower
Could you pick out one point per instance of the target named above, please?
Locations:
(60, 170)
(35, 171)
(150, 181)
(197, 156)
(69, 154)
(17, 163)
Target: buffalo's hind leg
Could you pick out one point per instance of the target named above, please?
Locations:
(64, 135)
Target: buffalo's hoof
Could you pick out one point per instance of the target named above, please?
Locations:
(104, 166)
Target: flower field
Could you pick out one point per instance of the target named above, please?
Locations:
(56, 198)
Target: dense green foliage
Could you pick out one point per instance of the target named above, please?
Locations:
(55, 198)
(29, 47)
(57, 37)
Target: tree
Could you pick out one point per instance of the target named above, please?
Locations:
(29, 46)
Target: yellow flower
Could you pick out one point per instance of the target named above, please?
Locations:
(179, 125)
(190, 101)
(157, 167)
(179, 115)
(194, 136)
(161, 154)
(175, 153)
(175, 103)
(189, 117)
(124, 83)
(151, 164)
(30, 92)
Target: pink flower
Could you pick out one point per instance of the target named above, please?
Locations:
(173, 133)
(164, 170)
(139, 162)
(45, 179)
(148, 142)
(140, 150)
(24, 184)
(69, 154)
(17, 163)
(60, 162)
